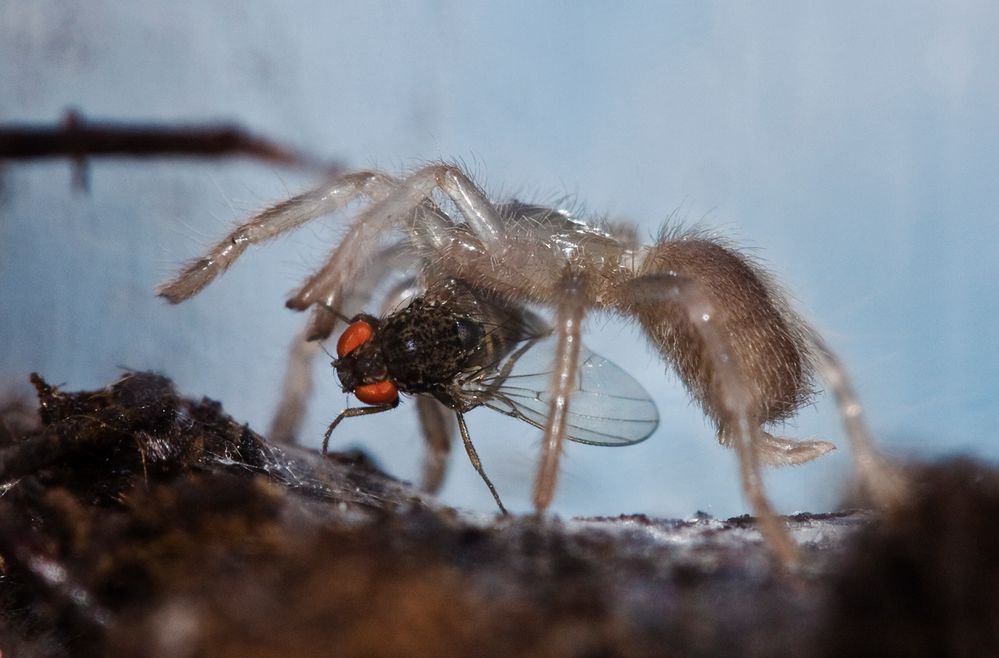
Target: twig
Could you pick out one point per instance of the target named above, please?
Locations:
(80, 140)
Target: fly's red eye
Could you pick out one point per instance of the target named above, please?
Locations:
(353, 337)
(383, 392)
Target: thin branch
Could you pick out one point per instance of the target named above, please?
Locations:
(80, 141)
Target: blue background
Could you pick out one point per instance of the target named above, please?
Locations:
(852, 147)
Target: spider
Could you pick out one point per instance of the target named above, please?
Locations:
(716, 317)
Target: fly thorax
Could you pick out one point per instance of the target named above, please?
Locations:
(426, 347)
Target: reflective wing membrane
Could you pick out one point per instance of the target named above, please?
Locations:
(608, 407)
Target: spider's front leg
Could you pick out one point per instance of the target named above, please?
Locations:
(411, 207)
(271, 222)
(355, 268)
(297, 386)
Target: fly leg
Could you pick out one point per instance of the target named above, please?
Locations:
(474, 457)
(351, 412)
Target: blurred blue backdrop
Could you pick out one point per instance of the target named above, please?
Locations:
(854, 149)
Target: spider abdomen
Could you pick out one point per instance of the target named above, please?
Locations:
(766, 338)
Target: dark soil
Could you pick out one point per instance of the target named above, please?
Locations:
(136, 522)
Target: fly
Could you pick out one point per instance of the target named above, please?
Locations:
(468, 349)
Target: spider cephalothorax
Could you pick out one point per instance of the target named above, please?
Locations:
(712, 313)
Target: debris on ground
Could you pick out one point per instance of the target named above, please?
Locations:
(134, 521)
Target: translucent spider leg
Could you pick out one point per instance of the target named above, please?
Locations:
(298, 384)
(402, 208)
(568, 318)
(296, 389)
(437, 422)
(269, 223)
(397, 259)
(730, 390)
(884, 483)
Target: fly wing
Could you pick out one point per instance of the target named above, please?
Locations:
(607, 408)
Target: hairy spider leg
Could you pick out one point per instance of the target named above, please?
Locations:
(401, 207)
(358, 293)
(568, 317)
(271, 222)
(885, 483)
(296, 389)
